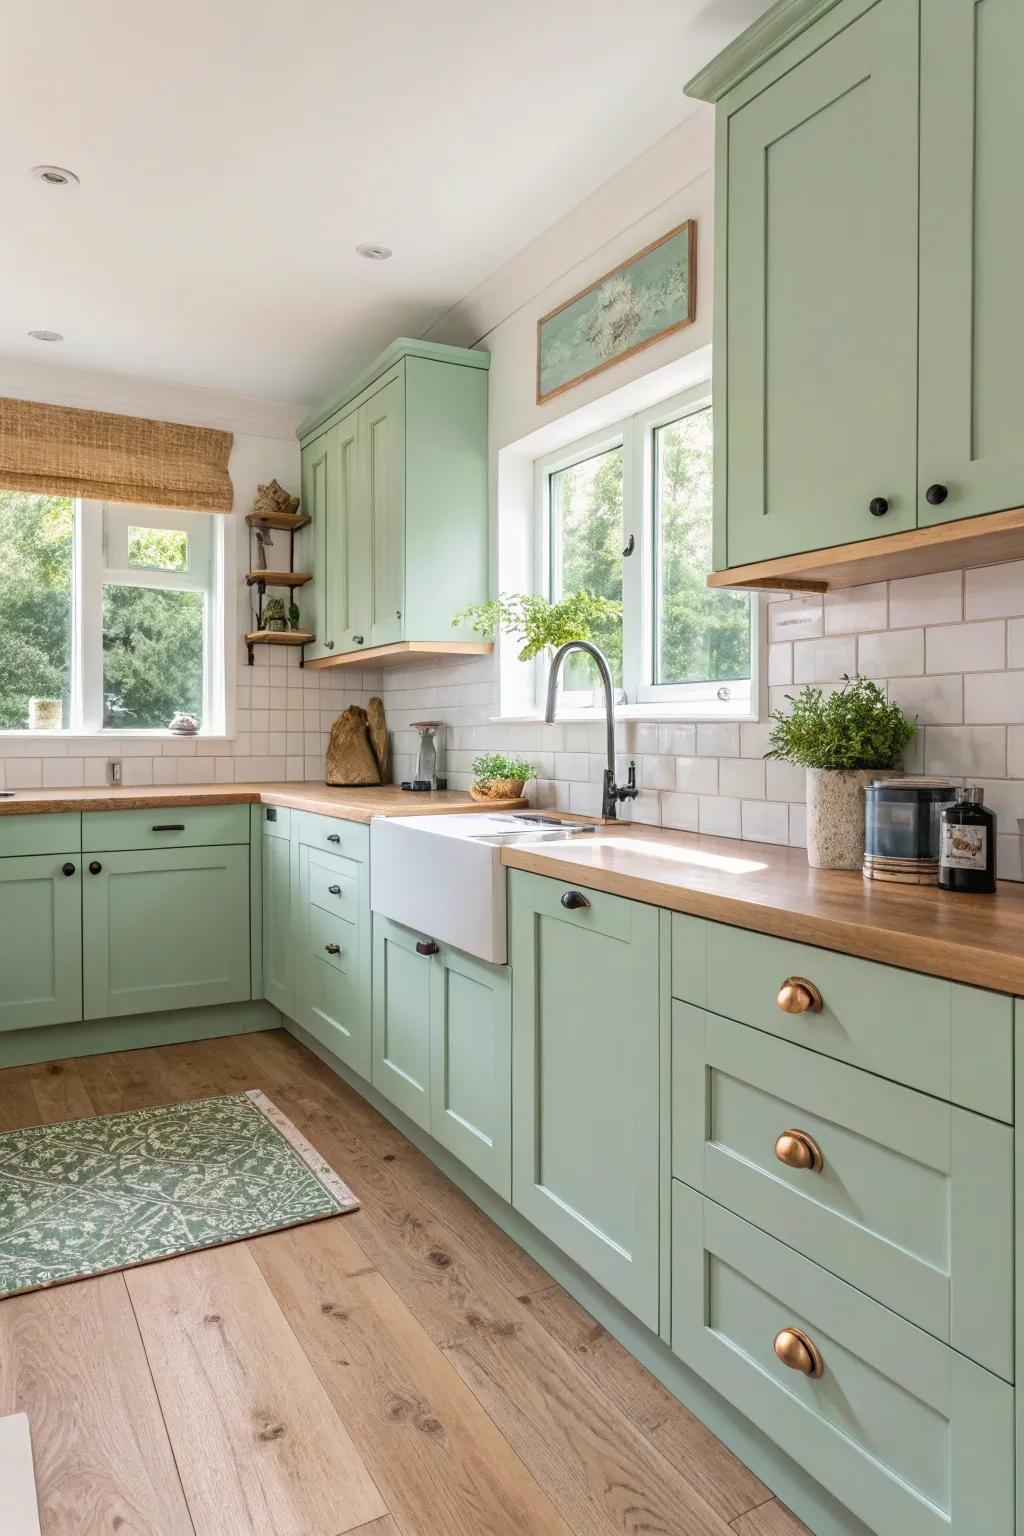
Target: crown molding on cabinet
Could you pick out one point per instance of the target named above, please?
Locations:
(434, 351)
(760, 42)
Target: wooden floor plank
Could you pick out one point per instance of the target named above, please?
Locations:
(124, 1080)
(17, 1477)
(60, 1093)
(18, 1105)
(277, 1055)
(438, 1460)
(71, 1358)
(259, 1447)
(771, 1519)
(384, 1527)
(708, 1466)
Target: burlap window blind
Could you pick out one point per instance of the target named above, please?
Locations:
(60, 451)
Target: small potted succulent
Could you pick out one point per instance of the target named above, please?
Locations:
(498, 777)
(844, 741)
(273, 614)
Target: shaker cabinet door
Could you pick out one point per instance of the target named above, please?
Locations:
(384, 488)
(971, 455)
(819, 395)
(471, 1065)
(402, 979)
(313, 598)
(40, 940)
(585, 1080)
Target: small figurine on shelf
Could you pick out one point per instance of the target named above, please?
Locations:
(263, 543)
(273, 499)
(293, 615)
(273, 615)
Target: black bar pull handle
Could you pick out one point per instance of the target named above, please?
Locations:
(334, 837)
(171, 826)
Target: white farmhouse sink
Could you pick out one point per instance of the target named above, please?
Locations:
(442, 875)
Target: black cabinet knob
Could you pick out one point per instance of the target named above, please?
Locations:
(878, 506)
(67, 869)
(95, 867)
(357, 639)
(334, 890)
(333, 949)
(574, 900)
(935, 495)
(334, 837)
(329, 644)
(427, 947)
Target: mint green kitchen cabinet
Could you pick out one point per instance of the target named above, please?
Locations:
(585, 1080)
(164, 928)
(395, 478)
(277, 936)
(972, 234)
(401, 1018)
(331, 931)
(910, 1436)
(442, 1043)
(40, 934)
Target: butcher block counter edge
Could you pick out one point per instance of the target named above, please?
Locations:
(978, 940)
(325, 800)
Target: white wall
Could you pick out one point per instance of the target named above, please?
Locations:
(281, 713)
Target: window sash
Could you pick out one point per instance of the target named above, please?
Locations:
(636, 435)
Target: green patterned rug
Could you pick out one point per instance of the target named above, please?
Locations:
(90, 1196)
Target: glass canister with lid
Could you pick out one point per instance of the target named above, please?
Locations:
(902, 828)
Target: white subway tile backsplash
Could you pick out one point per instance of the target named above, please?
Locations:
(697, 775)
(798, 616)
(893, 653)
(856, 608)
(994, 696)
(994, 591)
(718, 739)
(824, 661)
(966, 751)
(741, 776)
(780, 664)
(679, 811)
(929, 700)
(936, 599)
(1015, 643)
(719, 816)
(785, 781)
(979, 647)
(754, 738)
(765, 821)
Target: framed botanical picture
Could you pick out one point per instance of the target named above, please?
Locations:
(635, 304)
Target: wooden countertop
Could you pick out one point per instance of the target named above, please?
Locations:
(974, 939)
(324, 799)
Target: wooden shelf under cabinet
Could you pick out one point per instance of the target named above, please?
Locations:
(985, 540)
(291, 522)
(279, 637)
(406, 652)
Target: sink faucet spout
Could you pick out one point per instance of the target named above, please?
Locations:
(612, 793)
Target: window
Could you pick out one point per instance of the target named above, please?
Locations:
(627, 515)
(114, 610)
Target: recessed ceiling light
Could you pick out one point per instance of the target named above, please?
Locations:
(374, 252)
(46, 335)
(55, 176)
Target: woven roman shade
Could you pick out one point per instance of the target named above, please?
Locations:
(61, 451)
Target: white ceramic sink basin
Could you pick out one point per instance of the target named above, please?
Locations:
(442, 875)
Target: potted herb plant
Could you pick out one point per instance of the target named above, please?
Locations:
(539, 624)
(844, 741)
(498, 777)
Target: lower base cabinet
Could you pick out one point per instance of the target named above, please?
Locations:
(165, 928)
(278, 948)
(442, 1046)
(909, 1435)
(331, 928)
(585, 1080)
(40, 940)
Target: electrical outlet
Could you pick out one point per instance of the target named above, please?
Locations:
(115, 770)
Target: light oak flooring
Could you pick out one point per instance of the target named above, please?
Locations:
(403, 1371)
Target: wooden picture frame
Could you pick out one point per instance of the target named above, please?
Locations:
(683, 238)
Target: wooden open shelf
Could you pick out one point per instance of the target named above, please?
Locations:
(279, 637)
(405, 652)
(985, 540)
(291, 522)
(278, 578)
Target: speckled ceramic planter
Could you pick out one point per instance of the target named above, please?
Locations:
(835, 816)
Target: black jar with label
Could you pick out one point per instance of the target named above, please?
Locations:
(967, 844)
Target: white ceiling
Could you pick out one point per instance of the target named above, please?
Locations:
(233, 152)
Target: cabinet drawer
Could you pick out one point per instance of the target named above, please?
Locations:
(351, 838)
(334, 884)
(165, 826)
(334, 940)
(49, 832)
(953, 1041)
(276, 821)
(909, 1192)
(909, 1435)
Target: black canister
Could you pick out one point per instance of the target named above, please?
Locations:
(967, 848)
(901, 829)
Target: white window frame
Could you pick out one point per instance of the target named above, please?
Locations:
(101, 558)
(640, 696)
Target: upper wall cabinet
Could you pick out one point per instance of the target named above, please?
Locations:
(867, 333)
(394, 476)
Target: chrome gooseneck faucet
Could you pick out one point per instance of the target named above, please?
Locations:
(612, 792)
